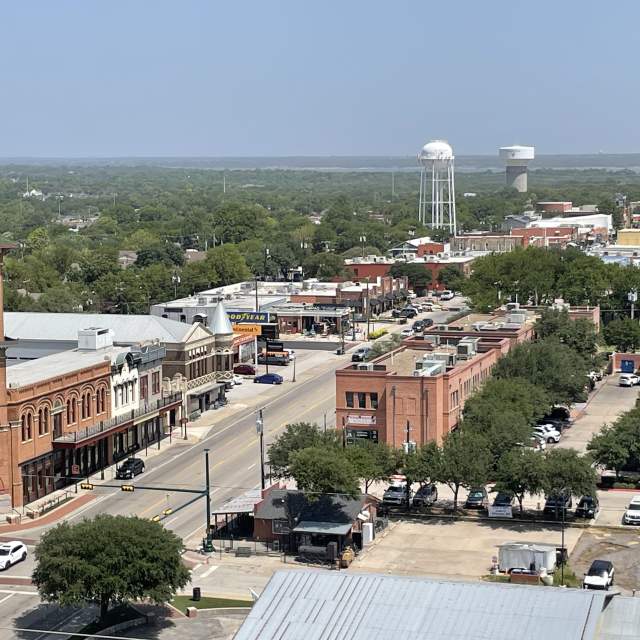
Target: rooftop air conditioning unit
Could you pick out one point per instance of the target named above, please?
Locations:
(489, 326)
(516, 318)
(433, 339)
(466, 350)
(365, 366)
(418, 364)
(512, 306)
(432, 369)
(477, 326)
(442, 327)
(202, 301)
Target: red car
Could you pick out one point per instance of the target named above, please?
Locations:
(244, 370)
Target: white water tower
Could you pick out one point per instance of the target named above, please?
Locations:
(437, 205)
(517, 160)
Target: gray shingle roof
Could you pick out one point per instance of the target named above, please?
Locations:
(322, 605)
(65, 326)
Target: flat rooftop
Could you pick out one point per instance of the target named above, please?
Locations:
(59, 364)
(466, 323)
(403, 363)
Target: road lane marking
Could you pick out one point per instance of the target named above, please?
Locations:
(209, 571)
(13, 594)
(20, 593)
(251, 466)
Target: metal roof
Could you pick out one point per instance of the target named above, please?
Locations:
(620, 619)
(240, 504)
(328, 528)
(20, 325)
(322, 605)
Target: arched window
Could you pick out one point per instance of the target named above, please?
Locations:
(27, 426)
(40, 422)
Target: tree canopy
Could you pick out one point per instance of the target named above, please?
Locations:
(108, 560)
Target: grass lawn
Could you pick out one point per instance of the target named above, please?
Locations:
(570, 578)
(182, 602)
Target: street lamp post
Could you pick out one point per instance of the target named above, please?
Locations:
(175, 278)
(632, 297)
(293, 357)
(260, 432)
(363, 239)
(207, 494)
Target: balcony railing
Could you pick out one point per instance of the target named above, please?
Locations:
(108, 425)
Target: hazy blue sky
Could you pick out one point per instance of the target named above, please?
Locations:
(294, 77)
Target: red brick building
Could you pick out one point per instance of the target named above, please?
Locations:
(418, 391)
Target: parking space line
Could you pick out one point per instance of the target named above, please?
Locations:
(20, 593)
(209, 571)
(6, 597)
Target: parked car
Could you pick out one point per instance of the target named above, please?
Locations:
(130, 468)
(555, 505)
(426, 495)
(244, 369)
(503, 499)
(269, 378)
(11, 553)
(538, 442)
(407, 332)
(632, 514)
(447, 295)
(600, 575)
(628, 379)
(558, 413)
(418, 325)
(396, 494)
(427, 322)
(547, 432)
(360, 354)
(408, 312)
(588, 507)
(596, 375)
(477, 498)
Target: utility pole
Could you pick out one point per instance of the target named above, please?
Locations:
(368, 308)
(408, 445)
(260, 432)
(207, 497)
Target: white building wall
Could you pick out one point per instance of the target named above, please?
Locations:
(125, 390)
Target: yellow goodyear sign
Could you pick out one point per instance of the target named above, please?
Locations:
(251, 329)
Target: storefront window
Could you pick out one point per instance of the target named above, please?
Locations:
(362, 400)
(374, 400)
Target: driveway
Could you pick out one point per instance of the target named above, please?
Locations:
(606, 403)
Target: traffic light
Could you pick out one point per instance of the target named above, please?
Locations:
(86, 485)
(128, 487)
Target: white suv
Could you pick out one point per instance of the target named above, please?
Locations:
(11, 552)
(548, 432)
(632, 514)
(628, 379)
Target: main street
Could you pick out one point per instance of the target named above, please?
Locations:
(233, 449)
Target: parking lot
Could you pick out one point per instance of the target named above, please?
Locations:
(450, 548)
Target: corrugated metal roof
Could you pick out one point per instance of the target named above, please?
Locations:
(322, 605)
(329, 528)
(240, 504)
(65, 326)
(620, 620)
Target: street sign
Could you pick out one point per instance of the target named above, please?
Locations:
(500, 511)
(255, 317)
(75, 469)
(252, 329)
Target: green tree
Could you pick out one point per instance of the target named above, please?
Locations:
(420, 278)
(566, 472)
(319, 470)
(579, 335)
(109, 560)
(228, 264)
(423, 465)
(520, 471)
(325, 266)
(451, 277)
(372, 461)
(465, 461)
(38, 239)
(610, 448)
(295, 437)
(549, 364)
(623, 334)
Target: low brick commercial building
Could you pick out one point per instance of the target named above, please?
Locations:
(417, 392)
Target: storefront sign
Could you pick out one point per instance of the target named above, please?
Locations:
(253, 329)
(500, 511)
(255, 317)
(368, 420)
(360, 434)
